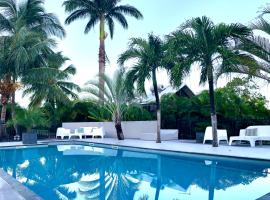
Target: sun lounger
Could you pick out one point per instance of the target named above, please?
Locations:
(62, 133)
(221, 135)
(252, 134)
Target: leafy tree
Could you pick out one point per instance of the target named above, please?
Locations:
(150, 55)
(116, 97)
(210, 46)
(102, 12)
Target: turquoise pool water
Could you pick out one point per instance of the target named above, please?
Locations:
(84, 172)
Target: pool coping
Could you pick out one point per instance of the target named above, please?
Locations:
(18, 187)
(247, 153)
(151, 150)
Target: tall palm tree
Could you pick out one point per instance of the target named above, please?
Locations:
(102, 12)
(150, 55)
(199, 41)
(18, 52)
(116, 97)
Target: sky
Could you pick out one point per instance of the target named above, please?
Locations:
(160, 17)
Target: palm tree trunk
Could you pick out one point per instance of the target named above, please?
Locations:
(102, 37)
(13, 112)
(157, 105)
(4, 100)
(213, 108)
(118, 128)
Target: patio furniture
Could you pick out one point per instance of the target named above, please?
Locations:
(252, 134)
(62, 133)
(98, 132)
(78, 133)
(221, 135)
(29, 138)
(199, 137)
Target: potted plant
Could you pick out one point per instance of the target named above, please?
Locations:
(29, 119)
(200, 129)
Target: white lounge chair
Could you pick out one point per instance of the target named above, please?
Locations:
(252, 134)
(62, 133)
(221, 135)
(98, 132)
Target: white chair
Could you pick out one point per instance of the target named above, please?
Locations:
(252, 134)
(78, 132)
(62, 133)
(98, 132)
(221, 135)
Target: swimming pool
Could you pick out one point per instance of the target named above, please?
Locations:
(88, 172)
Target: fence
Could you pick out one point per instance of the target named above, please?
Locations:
(187, 128)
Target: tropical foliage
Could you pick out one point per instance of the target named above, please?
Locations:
(29, 119)
(116, 97)
(238, 105)
(53, 85)
(27, 33)
(210, 46)
(104, 12)
(26, 45)
(150, 55)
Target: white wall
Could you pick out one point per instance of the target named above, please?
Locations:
(131, 129)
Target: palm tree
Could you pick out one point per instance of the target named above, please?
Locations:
(23, 24)
(30, 14)
(116, 97)
(258, 46)
(150, 56)
(102, 12)
(199, 41)
(52, 85)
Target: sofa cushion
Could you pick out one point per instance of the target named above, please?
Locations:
(80, 130)
(251, 132)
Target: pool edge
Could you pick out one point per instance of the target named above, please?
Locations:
(18, 187)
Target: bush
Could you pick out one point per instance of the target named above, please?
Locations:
(137, 113)
(29, 119)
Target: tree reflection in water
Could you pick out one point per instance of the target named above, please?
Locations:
(96, 173)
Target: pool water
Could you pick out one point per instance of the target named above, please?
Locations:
(83, 172)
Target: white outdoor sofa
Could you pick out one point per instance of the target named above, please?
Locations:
(93, 132)
(98, 132)
(252, 134)
(62, 133)
(165, 134)
(221, 135)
